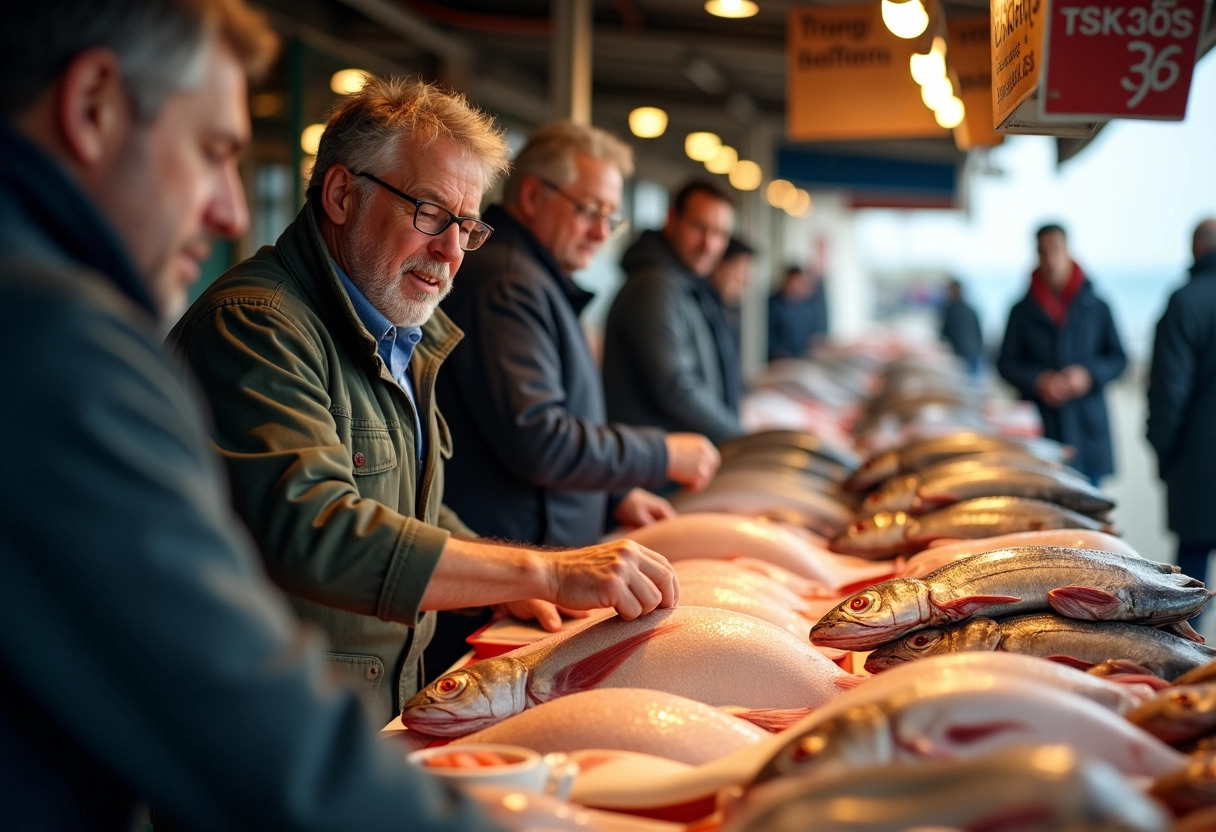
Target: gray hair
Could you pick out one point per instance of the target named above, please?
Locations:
(551, 152)
(365, 129)
(159, 45)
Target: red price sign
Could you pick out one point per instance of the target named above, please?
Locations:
(1120, 58)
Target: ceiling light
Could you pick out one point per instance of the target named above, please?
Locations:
(310, 138)
(746, 175)
(927, 67)
(950, 114)
(723, 161)
(701, 147)
(647, 122)
(800, 205)
(731, 8)
(346, 81)
(936, 92)
(907, 19)
(777, 191)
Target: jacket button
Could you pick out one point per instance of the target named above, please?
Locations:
(360, 459)
(372, 672)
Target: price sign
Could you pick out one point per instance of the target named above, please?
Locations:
(1120, 58)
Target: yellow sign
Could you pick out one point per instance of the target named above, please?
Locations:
(848, 77)
(1017, 53)
(969, 53)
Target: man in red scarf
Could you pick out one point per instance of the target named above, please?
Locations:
(1060, 349)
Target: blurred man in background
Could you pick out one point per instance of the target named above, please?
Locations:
(1182, 406)
(1060, 350)
(961, 328)
(797, 314)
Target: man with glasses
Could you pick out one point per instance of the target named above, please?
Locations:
(538, 460)
(319, 356)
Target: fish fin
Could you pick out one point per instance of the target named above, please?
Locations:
(1084, 602)
(961, 608)
(850, 681)
(1185, 630)
(1071, 661)
(588, 672)
(773, 720)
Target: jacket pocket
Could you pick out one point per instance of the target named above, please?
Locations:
(372, 451)
(362, 674)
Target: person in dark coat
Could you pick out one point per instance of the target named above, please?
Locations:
(1182, 406)
(537, 459)
(729, 281)
(1060, 350)
(667, 344)
(146, 658)
(961, 327)
(797, 314)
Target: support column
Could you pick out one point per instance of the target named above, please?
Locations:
(570, 61)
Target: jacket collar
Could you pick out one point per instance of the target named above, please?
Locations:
(1205, 266)
(43, 213)
(509, 231)
(307, 257)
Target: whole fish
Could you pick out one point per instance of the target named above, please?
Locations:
(764, 493)
(962, 721)
(1044, 788)
(1179, 714)
(796, 439)
(754, 664)
(920, 454)
(939, 554)
(1079, 583)
(1050, 636)
(779, 458)
(920, 493)
(887, 534)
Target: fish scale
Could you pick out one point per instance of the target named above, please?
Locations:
(751, 664)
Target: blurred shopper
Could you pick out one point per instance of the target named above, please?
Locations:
(729, 281)
(961, 328)
(666, 334)
(1182, 406)
(319, 357)
(797, 314)
(145, 656)
(537, 459)
(1060, 350)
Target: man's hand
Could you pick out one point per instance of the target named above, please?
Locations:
(548, 616)
(1052, 388)
(692, 460)
(641, 508)
(1077, 379)
(620, 574)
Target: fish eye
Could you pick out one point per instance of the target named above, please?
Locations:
(449, 686)
(920, 640)
(859, 526)
(859, 603)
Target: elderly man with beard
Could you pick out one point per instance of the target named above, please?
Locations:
(319, 357)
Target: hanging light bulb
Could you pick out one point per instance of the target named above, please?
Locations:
(776, 191)
(799, 204)
(347, 81)
(950, 113)
(723, 161)
(746, 175)
(907, 19)
(935, 93)
(931, 65)
(647, 122)
(310, 138)
(732, 8)
(701, 147)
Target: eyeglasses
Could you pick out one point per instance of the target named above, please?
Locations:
(433, 219)
(615, 221)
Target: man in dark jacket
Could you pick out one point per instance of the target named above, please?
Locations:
(961, 327)
(1060, 350)
(319, 356)
(144, 655)
(797, 314)
(667, 345)
(1182, 406)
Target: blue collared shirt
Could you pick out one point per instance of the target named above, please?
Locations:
(395, 346)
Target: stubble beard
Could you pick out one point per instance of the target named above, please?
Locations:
(383, 280)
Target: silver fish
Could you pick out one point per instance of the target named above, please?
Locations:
(887, 534)
(1079, 583)
(1178, 714)
(1081, 644)
(920, 493)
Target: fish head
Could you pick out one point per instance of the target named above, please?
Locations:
(928, 641)
(467, 700)
(880, 534)
(874, 616)
(896, 494)
(857, 737)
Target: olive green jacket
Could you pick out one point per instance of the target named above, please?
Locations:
(319, 443)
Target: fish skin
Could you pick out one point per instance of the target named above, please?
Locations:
(1179, 714)
(1190, 787)
(962, 720)
(1005, 481)
(663, 650)
(919, 454)
(1048, 635)
(887, 534)
(1088, 583)
(1204, 673)
(939, 554)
